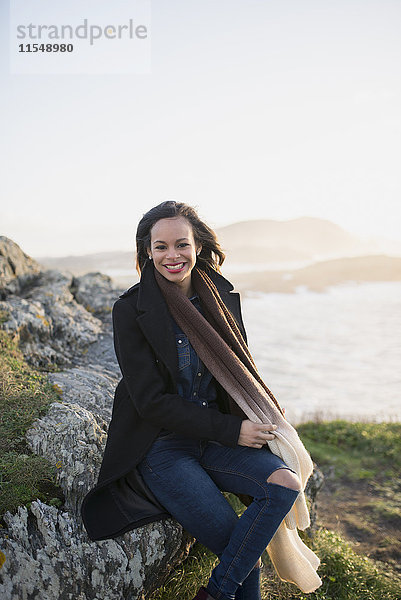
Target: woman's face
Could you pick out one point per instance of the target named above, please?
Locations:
(173, 250)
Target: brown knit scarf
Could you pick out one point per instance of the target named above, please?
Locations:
(219, 343)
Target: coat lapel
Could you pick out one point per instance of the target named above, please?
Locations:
(155, 319)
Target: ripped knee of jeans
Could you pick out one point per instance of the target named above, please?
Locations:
(285, 477)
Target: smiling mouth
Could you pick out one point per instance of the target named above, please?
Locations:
(174, 268)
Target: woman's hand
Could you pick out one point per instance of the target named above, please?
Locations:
(255, 435)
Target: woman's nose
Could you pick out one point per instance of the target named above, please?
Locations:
(172, 253)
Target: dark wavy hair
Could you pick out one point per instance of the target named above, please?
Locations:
(211, 255)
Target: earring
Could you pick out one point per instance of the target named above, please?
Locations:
(150, 258)
(198, 252)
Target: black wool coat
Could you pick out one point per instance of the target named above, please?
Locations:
(145, 401)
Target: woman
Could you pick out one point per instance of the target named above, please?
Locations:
(177, 439)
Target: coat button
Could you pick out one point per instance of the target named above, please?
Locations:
(204, 403)
(180, 341)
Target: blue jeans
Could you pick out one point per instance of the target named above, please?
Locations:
(187, 477)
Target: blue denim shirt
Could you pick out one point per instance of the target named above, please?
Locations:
(195, 382)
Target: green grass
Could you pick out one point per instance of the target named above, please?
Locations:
(345, 574)
(25, 394)
(356, 450)
(388, 510)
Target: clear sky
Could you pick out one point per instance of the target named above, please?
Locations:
(257, 109)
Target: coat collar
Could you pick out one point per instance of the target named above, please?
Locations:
(151, 295)
(155, 319)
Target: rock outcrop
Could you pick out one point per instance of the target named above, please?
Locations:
(63, 325)
(51, 327)
(17, 269)
(48, 557)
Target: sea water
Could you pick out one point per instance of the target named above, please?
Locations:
(335, 354)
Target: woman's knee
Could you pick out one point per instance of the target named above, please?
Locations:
(285, 477)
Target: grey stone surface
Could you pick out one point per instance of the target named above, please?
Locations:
(95, 292)
(48, 556)
(73, 439)
(64, 322)
(312, 489)
(17, 269)
(50, 326)
(92, 387)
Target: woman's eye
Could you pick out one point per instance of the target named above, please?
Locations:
(183, 244)
(160, 248)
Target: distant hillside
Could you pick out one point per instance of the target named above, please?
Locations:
(322, 274)
(297, 239)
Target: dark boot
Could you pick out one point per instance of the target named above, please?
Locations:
(203, 594)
